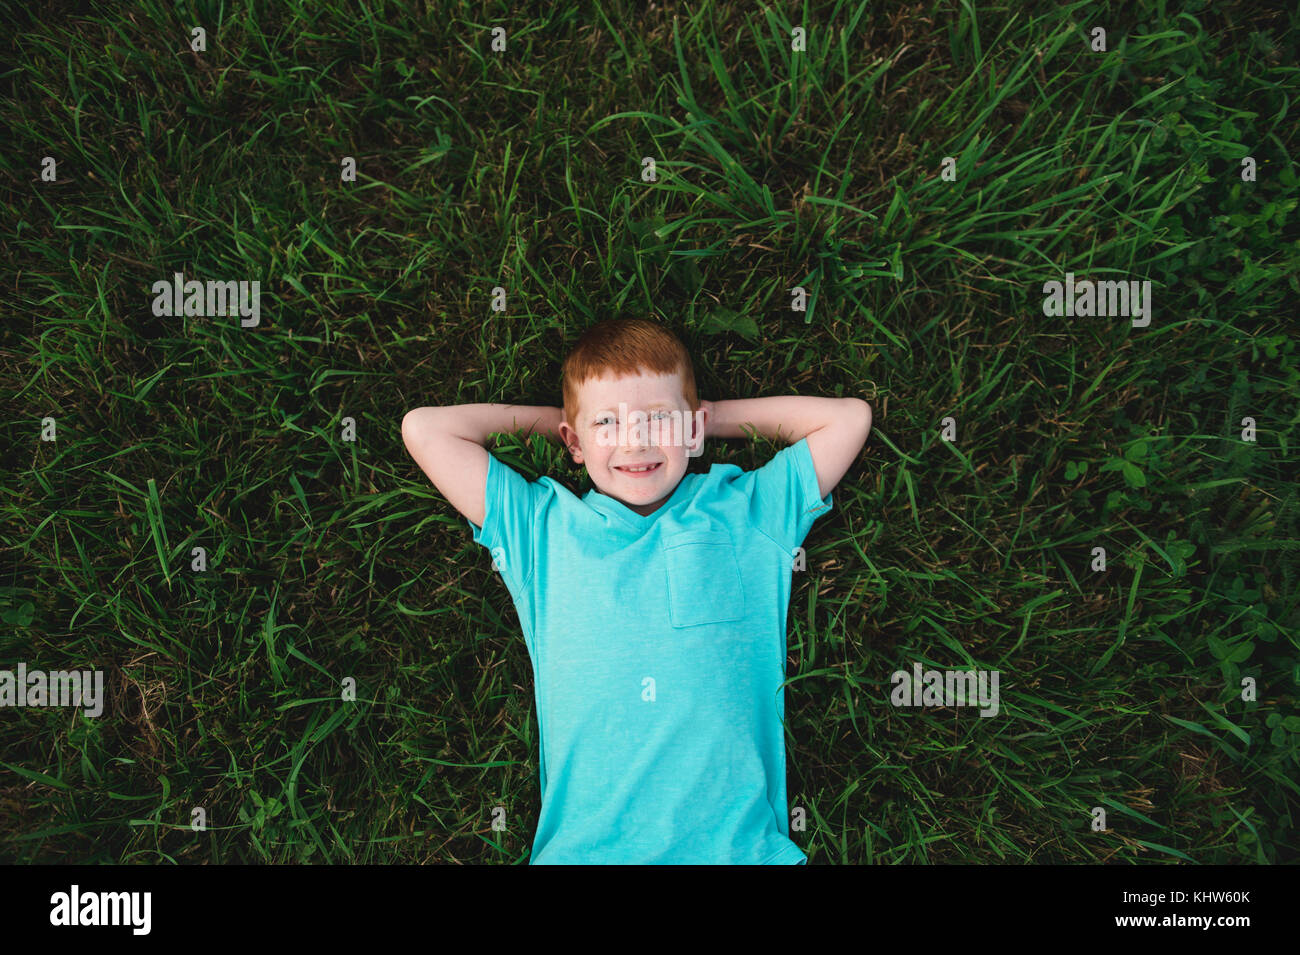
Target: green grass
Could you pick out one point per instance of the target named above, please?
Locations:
(330, 559)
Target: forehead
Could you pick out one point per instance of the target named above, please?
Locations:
(637, 391)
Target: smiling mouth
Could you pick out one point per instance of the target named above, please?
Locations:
(638, 469)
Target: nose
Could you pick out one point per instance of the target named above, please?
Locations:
(638, 434)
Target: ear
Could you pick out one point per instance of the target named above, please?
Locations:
(570, 438)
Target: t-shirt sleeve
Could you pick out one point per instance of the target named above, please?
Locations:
(511, 509)
(783, 495)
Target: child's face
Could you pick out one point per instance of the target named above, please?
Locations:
(654, 427)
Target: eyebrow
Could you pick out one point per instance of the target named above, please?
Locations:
(649, 407)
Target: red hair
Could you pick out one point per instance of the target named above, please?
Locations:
(625, 346)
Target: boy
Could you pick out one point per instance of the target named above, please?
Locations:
(654, 606)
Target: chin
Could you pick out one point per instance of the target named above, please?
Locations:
(643, 498)
(631, 492)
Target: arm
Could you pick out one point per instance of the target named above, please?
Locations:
(449, 445)
(836, 428)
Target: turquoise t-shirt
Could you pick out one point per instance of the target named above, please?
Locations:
(658, 647)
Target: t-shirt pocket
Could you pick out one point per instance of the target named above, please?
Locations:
(703, 578)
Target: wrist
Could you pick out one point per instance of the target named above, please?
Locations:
(550, 424)
(722, 421)
(539, 419)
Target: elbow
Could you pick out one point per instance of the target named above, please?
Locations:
(415, 421)
(862, 413)
(409, 421)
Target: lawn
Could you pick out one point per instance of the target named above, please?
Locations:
(305, 657)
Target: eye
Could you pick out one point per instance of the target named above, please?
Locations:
(661, 414)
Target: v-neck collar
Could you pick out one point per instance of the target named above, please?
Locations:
(612, 507)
